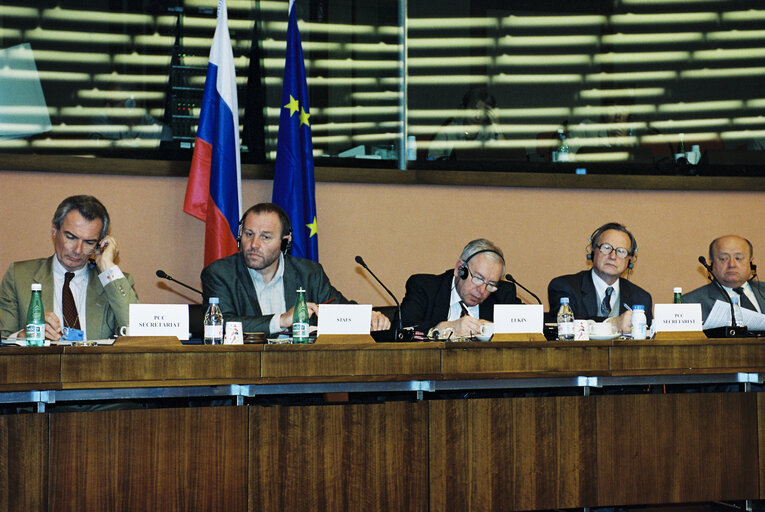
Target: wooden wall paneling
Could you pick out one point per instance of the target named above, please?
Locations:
(23, 462)
(676, 448)
(339, 457)
(24, 365)
(155, 459)
(512, 453)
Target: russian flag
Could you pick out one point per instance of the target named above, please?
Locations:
(214, 190)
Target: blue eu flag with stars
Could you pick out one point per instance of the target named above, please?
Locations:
(294, 183)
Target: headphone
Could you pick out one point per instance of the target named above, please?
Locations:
(286, 243)
(463, 271)
(618, 227)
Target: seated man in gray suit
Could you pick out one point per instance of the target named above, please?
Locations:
(258, 285)
(600, 293)
(84, 292)
(732, 266)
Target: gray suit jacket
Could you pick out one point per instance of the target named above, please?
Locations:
(709, 294)
(106, 308)
(230, 281)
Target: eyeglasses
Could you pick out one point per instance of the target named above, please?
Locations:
(480, 281)
(607, 249)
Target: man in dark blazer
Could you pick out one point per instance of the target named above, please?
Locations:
(732, 266)
(462, 298)
(258, 285)
(600, 293)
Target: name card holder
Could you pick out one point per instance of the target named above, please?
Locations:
(344, 324)
(518, 322)
(343, 339)
(147, 341)
(678, 322)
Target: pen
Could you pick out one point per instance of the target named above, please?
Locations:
(328, 301)
(626, 306)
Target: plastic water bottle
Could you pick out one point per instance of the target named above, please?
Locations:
(638, 322)
(737, 311)
(411, 148)
(565, 321)
(678, 292)
(35, 335)
(564, 152)
(300, 319)
(213, 323)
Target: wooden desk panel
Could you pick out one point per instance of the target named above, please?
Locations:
(23, 462)
(512, 453)
(157, 459)
(676, 448)
(525, 357)
(728, 355)
(336, 458)
(84, 366)
(397, 359)
(21, 365)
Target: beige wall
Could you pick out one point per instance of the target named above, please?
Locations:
(398, 229)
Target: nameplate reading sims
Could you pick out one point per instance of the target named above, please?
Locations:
(677, 317)
(159, 320)
(518, 318)
(344, 319)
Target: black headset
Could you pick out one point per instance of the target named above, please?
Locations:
(618, 227)
(463, 271)
(286, 243)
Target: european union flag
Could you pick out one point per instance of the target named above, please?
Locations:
(294, 184)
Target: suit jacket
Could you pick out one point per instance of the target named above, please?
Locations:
(106, 308)
(230, 281)
(426, 302)
(583, 298)
(709, 294)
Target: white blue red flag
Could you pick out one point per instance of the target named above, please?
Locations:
(294, 183)
(214, 190)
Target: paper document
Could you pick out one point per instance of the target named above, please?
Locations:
(720, 316)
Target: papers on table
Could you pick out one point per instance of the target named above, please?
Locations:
(720, 316)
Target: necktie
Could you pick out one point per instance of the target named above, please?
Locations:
(605, 307)
(744, 300)
(465, 311)
(68, 307)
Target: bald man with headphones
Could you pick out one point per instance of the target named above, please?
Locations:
(463, 297)
(600, 293)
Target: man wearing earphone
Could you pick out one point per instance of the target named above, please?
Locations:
(463, 297)
(731, 259)
(600, 293)
(258, 285)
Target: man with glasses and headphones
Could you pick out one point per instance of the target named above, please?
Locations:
(732, 266)
(258, 285)
(600, 293)
(463, 297)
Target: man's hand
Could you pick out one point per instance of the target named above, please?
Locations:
(52, 326)
(464, 327)
(623, 322)
(380, 322)
(106, 253)
(285, 319)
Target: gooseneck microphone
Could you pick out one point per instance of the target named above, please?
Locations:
(510, 279)
(733, 330)
(162, 275)
(400, 333)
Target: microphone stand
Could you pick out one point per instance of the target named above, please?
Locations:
(162, 275)
(733, 330)
(399, 333)
(510, 279)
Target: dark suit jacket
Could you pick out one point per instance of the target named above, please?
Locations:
(229, 280)
(426, 302)
(583, 298)
(709, 294)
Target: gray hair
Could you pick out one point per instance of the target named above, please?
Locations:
(88, 206)
(483, 246)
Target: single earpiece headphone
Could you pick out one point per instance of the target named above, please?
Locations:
(463, 270)
(618, 227)
(286, 243)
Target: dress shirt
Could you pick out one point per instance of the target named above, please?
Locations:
(79, 287)
(748, 292)
(271, 294)
(600, 289)
(455, 309)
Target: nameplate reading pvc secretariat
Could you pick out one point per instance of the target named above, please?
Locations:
(518, 318)
(159, 320)
(677, 317)
(344, 319)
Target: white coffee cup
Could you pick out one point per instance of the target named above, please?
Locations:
(125, 330)
(487, 331)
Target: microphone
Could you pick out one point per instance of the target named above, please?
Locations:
(733, 330)
(400, 333)
(510, 279)
(162, 275)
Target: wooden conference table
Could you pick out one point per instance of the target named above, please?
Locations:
(429, 426)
